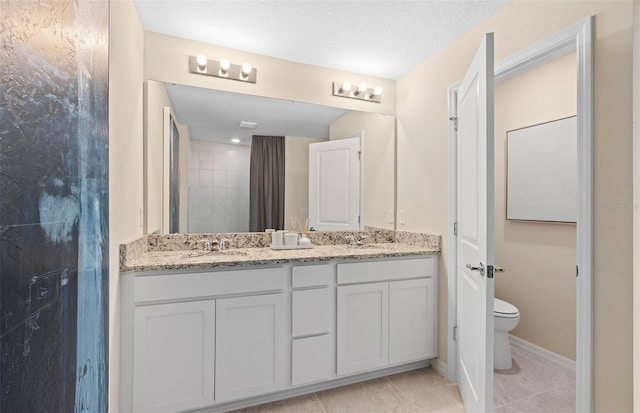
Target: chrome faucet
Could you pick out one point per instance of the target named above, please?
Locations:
(206, 244)
(360, 240)
(224, 244)
(356, 240)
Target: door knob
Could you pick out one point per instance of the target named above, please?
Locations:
(479, 268)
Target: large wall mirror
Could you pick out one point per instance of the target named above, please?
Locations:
(215, 131)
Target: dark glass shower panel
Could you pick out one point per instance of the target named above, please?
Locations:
(53, 205)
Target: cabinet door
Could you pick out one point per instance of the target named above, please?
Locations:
(363, 327)
(411, 320)
(173, 356)
(250, 346)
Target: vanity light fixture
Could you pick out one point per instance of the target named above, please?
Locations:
(223, 68)
(361, 92)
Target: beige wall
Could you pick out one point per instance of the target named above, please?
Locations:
(296, 178)
(540, 258)
(422, 163)
(378, 145)
(636, 205)
(125, 166)
(156, 99)
(166, 59)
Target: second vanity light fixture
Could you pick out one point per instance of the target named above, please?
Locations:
(361, 91)
(223, 68)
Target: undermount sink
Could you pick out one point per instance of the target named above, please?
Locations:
(194, 254)
(367, 246)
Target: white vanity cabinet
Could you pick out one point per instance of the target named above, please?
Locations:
(226, 338)
(250, 346)
(202, 338)
(363, 327)
(173, 356)
(389, 321)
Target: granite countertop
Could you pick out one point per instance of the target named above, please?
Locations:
(234, 257)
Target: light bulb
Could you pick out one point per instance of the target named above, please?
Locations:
(361, 88)
(235, 140)
(246, 69)
(345, 88)
(224, 66)
(201, 60)
(377, 91)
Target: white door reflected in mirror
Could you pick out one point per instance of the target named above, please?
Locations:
(335, 185)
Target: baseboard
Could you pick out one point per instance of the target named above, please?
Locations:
(439, 366)
(542, 352)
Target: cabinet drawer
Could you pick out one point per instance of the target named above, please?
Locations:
(357, 272)
(311, 312)
(311, 275)
(311, 359)
(207, 284)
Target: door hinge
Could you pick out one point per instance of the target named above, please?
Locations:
(455, 228)
(454, 119)
(455, 333)
(359, 155)
(577, 272)
(358, 219)
(489, 271)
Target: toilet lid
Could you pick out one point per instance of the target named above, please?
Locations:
(504, 309)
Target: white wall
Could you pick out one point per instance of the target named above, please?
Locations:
(125, 161)
(539, 257)
(422, 163)
(218, 187)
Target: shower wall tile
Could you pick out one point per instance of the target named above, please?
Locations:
(225, 172)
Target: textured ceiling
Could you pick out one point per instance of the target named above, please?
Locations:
(377, 38)
(215, 116)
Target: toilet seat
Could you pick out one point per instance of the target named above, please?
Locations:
(504, 309)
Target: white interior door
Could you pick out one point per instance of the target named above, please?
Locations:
(335, 185)
(475, 218)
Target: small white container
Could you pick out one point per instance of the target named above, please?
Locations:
(290, 238)
(277, 238)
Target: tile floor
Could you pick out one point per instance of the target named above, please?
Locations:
(421, 390)
(533, 385)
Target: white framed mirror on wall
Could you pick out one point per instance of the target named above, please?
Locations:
(215, 130)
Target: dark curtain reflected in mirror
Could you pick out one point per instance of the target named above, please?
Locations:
(266, 183)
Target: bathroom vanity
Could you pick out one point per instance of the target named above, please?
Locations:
(220, 331)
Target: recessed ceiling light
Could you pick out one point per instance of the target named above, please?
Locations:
(235, 140)
(248, 125)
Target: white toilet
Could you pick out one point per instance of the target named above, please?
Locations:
(505, 319)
